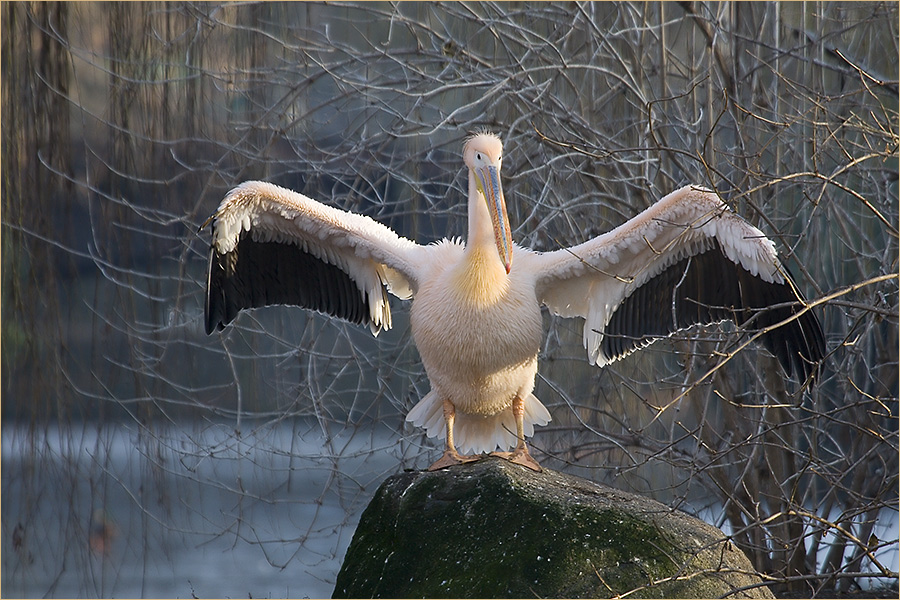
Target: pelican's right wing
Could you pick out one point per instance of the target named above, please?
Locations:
(271, 245)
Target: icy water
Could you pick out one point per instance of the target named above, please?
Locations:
(197, 511)
(181, 513)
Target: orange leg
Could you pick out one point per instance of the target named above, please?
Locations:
(520, 455)
(451, 457)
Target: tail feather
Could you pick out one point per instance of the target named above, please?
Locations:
(428, 414)
(476, 433)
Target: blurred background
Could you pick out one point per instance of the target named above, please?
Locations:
(141, 457)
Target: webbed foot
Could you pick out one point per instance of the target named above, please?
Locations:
(452, 458)
(520, 456)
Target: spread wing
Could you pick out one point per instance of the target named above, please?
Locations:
(271, 245)
(687, 260)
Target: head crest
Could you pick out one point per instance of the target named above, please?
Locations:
(482, 132)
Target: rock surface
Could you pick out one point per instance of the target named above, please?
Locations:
(492, 529)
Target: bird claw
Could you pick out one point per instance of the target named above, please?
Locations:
(520, 457)
(452, 458)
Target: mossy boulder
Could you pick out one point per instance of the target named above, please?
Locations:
(493, 529)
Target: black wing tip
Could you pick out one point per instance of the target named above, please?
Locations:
(257, 274)
(215, 324)
(802, 341)
(707, 288)
(809, 348)
(212, 309)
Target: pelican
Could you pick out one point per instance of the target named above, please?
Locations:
(476, 304)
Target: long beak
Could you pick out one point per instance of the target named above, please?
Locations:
(489, 182)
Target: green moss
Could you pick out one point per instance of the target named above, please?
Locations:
(491, 531)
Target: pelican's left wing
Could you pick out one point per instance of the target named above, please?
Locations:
(271, 245)
(686, 260)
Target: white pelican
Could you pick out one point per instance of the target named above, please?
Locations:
(476, 310)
